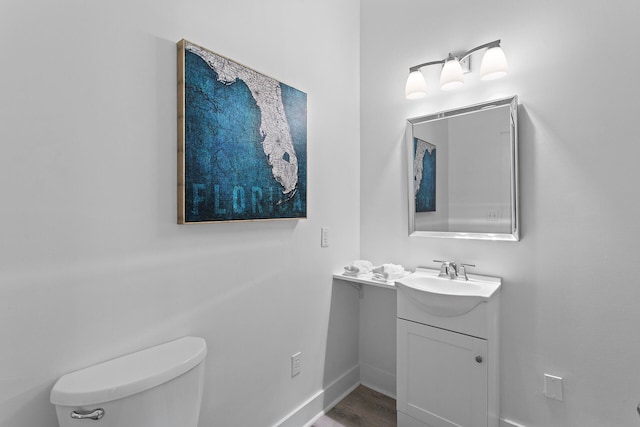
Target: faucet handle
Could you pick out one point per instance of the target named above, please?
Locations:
(445, 268)
(462, 271)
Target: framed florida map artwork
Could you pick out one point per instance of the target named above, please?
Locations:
(424, 173)
(242, 142)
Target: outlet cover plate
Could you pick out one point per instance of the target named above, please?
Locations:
(553, 387)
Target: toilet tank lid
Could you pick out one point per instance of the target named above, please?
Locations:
(129, 374)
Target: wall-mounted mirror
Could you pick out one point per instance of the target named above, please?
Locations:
(463, 172)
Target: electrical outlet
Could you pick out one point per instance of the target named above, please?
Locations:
(324, 237)
(492, 215)
(295, 364)
(553, 387)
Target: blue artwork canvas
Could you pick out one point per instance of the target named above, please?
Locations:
(242, 143)
(424, 175)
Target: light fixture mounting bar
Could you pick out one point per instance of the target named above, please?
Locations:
(494, 43)
(426, 64)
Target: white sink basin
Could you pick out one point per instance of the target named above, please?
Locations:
(446, 297)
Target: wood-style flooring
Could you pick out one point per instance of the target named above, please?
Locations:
(363, 407)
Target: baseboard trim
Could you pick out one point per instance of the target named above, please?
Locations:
(378, 389)
(508, 423)
(378, 380)
(331, 405)
(315, 407)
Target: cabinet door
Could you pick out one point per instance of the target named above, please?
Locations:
(442, 376)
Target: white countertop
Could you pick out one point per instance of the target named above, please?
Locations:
(367, 279)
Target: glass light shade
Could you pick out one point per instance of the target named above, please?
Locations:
(494, 64)
(451, 76)
(416, 86)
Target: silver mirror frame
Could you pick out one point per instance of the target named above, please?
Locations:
(515, 205)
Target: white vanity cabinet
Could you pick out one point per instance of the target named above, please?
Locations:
(439, 380)
(447, 366)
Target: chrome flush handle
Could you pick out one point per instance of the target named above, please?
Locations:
(96, 414)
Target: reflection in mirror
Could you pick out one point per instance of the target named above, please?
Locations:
(463, 178)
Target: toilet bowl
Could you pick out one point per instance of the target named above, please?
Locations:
(157, 387)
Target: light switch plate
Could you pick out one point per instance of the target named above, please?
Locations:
(295, 364)
(324, 237)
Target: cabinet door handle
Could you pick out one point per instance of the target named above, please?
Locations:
(479, 359)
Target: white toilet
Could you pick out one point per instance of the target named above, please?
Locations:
(157, 387)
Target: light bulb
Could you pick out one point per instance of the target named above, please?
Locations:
(494, 64)
(416, 86)
(451, 76)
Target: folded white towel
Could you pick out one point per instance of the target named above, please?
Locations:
(358, 267)
(389, 271)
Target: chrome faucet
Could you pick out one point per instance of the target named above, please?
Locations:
(451, 270)
(462, 271)
(448, 269)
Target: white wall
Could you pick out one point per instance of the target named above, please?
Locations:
(93, 264)
(570, 297)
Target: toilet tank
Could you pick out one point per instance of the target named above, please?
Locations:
(157, 387)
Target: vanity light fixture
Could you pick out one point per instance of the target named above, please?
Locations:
(494, 65)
